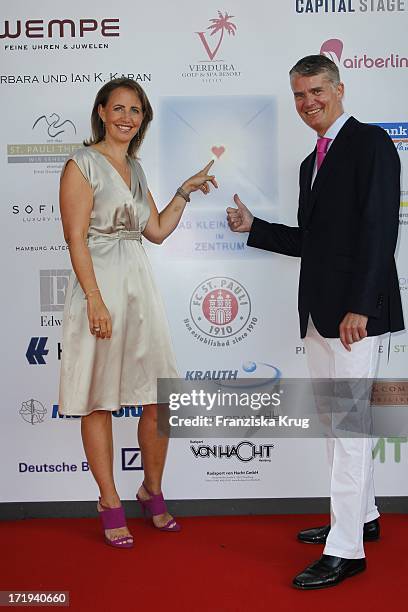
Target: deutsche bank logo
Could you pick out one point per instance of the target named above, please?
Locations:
(131, 459)
(36, 351)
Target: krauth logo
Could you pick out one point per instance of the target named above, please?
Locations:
(36, 351)
(219, 26)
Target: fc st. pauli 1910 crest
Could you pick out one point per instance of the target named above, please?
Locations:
(220, 307)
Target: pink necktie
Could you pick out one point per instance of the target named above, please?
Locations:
(322, 146)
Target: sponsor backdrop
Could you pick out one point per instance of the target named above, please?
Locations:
(217, 77)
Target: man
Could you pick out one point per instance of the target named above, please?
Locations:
(348, 287)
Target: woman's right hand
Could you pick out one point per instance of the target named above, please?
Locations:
(100, 323)
(200, 181)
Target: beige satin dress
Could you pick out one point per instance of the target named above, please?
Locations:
(104, 374)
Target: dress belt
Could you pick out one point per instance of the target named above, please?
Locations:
(120, 235)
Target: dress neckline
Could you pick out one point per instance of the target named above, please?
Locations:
(130, 189)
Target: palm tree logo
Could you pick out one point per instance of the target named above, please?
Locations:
(221, 24)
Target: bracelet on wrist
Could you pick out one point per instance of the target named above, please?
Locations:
(91, 292)
(180, 191)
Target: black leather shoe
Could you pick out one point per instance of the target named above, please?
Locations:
(318, 535)
(328, 571)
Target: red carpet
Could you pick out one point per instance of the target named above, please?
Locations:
(217, 564)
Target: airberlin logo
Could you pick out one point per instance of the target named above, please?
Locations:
(213, 69)
(333, 49)
(58, 28)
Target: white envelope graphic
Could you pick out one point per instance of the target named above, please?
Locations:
(240, 132)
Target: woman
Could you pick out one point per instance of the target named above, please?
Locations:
(116, 341)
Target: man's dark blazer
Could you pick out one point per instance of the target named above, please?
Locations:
(348, 227)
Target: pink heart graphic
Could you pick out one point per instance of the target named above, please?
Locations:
(218, 151)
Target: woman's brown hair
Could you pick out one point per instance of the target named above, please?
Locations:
(102, 97)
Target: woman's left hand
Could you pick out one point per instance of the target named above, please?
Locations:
(200, 181)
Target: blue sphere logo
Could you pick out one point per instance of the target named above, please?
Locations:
(263, 371)
(249, 366)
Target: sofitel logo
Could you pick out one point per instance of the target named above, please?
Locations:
(219, 25)
(59, 28)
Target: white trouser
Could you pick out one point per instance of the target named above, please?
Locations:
(352, 482)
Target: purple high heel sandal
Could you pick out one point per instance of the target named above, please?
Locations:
(154, 506)
(114, 518)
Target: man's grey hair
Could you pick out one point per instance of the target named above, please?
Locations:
(311, 65)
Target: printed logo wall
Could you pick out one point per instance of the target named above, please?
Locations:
(220, 91)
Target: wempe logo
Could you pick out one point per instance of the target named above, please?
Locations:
(333, 49)
(243, 451)
(58, 28)
(398, 132)
(214, 69)
(220, 312)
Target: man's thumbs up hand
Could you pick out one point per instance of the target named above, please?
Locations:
(239, 219)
